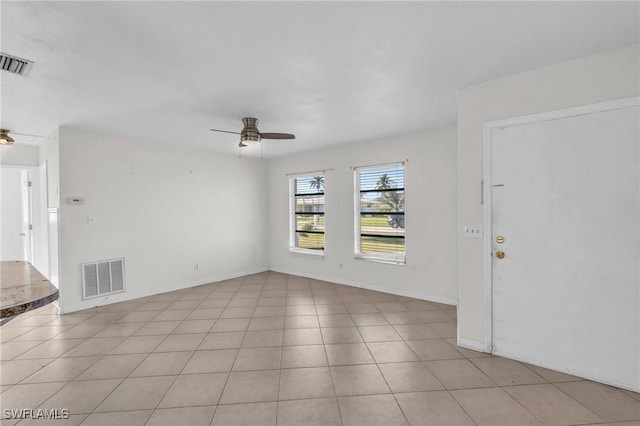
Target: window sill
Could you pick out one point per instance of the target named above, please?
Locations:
(307, 252)
(381, 260)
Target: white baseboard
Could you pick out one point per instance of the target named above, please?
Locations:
(375, 287)
(472, 344)
(481, 347)
(571, 372)
(130, 295)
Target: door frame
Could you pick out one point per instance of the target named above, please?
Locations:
(27, 213)
(487, 132)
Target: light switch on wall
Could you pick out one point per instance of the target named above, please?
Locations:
(472, 231)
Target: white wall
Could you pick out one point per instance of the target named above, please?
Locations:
(40, 259)
(19, 155)
(11, 242)
(163, 208)
(49, 202)
(607, 76)
(431, 216)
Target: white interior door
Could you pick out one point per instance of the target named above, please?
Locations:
(11, 225)
(565, 197)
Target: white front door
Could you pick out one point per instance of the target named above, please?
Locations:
(565, 199)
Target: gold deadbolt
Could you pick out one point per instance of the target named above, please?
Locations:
(499, 239)
(500, 254)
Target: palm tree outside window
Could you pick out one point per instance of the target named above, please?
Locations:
(380, 215)
(307, 213)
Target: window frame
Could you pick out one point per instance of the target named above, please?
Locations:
(292, 215)
(375, 257)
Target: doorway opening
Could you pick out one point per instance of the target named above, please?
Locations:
(25, 249)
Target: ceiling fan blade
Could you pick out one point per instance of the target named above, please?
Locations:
(277, 136)
(224, 131)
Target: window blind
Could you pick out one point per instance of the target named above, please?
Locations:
(380, 232)
(307, 220)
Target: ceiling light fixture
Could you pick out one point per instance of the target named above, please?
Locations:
(5, 139)
(250, 134)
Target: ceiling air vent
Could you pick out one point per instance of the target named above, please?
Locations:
(14, 65)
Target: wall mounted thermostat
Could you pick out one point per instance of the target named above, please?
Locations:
(75, 201)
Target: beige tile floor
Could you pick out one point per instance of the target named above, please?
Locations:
(271, 349)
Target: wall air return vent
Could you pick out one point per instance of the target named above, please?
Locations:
(14, 65)
(102, 278)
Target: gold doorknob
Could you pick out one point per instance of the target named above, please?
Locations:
(500, 254)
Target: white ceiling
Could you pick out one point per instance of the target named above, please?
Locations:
(330, 72)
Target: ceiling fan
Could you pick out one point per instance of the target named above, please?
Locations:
(5, 139)
(251, 135)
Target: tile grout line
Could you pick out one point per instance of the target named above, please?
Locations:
(460, 405)
(326, 355)
(585, 406)
(224, 387)
(380, 371)
(284, 322)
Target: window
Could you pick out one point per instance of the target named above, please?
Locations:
(379, 218)
(307, 213)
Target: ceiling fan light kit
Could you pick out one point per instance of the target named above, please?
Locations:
(5, 139)
(250, 135)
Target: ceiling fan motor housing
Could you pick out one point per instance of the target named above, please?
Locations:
(250, 134)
